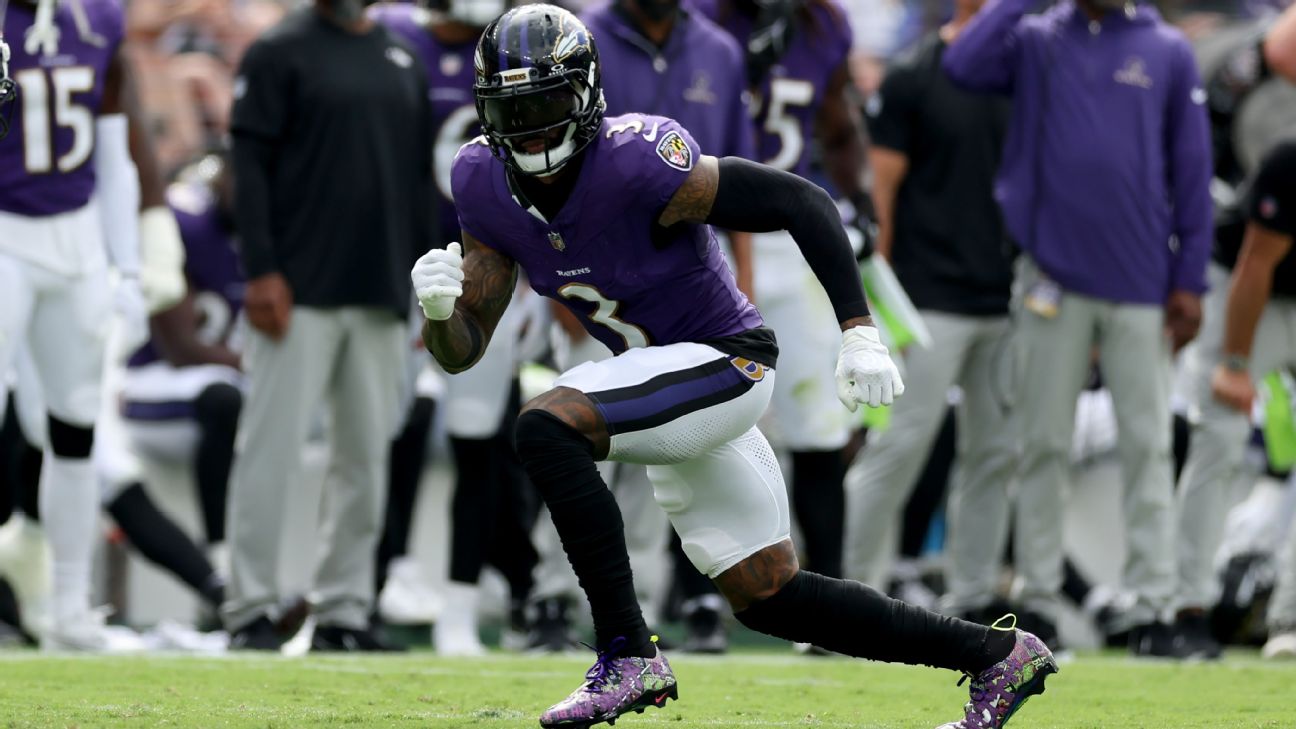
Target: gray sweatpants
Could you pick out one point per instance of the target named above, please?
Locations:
(1219, 438)
(350, 360)
(972, 352)
(1054, 362)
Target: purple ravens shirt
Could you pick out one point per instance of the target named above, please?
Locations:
(47, 161)
(790, 95)
(450, 89)
(697, 78)
(631, 282)
(211, 264)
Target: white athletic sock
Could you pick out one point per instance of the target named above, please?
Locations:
(69, 505)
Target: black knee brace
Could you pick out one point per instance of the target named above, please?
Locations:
(70, 441)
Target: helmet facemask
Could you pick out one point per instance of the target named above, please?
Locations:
(538, 127)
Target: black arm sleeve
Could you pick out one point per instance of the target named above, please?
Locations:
(754, 198)
(258, 121)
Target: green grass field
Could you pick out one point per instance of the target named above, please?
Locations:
(751, 689)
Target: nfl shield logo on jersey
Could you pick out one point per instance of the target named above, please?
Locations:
(555, 240)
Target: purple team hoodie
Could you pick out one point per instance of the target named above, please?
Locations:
(1105, 180)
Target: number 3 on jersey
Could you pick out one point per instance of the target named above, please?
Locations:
(605, 314)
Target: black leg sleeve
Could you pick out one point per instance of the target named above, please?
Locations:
(217, 411)
(820, 504)
(10, 440)
(29, 462)
(472, 512)
(929, 492)
(856, 620)
(511, 551)
(560, 462)
(405, 470)
(163, 543)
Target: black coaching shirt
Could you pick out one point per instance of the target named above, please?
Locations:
(333, 162)
(950, 249)
(1271, 203)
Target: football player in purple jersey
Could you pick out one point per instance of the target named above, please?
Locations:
(611, 217)
(70, 201)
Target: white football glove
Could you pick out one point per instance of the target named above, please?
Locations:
(162, 259)
(132, 313)
(865, 373)
(438, 281)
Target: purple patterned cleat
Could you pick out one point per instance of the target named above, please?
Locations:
(1000, 690)
(614, 686)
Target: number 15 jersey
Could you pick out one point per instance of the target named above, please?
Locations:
(631, 282)
(46, 162)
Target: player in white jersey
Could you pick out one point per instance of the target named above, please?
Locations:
(69, 206)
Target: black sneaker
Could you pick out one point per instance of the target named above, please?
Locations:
(706, 632)
(1042, 627)
(551, 628)
(1195, 636)
(335, 639)
(1155, 640)
(258, 635)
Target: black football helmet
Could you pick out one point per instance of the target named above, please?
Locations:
(538, 91)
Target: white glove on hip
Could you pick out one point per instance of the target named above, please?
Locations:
(162, 259)
(438, 281)
(865, 372)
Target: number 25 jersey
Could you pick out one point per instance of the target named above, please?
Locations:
(47, 161)
(631, 282)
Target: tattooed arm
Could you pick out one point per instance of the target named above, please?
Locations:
(721, 193)
(489, 278)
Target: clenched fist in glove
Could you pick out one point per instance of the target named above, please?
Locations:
(865, 372)
(438, 281)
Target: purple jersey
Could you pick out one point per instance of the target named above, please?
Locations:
(631, 282)
(450, 89)
(211, 264)
(46, 162)
(697, 78)
(792, 92)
